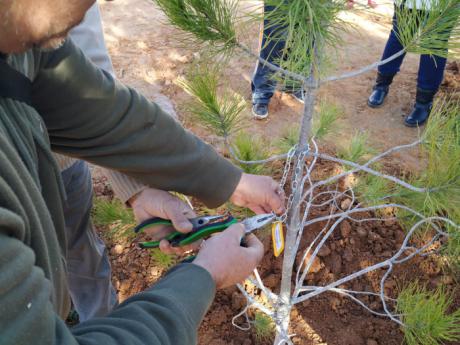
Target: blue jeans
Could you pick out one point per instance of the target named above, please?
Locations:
(263, 84)
(431, 68)
(88, 266)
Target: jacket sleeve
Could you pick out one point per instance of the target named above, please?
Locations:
(90, 115)
(169, 313)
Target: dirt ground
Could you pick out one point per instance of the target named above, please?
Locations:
(147, 56)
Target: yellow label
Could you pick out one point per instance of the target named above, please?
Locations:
(277, 238)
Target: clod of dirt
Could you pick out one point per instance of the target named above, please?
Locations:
(453, 66)
(238, 301)
(373, 236)
(271, 281)
(334, 261)
(371, 342)
(345, 204)
(399, 236)
(361, 231)
(335, 303)
(390, 222)
(447, 280)
(218, 342)
(315, 267)
(348, 255)
(345, 228)
(117, 249)
(324, 251)
(430, 267)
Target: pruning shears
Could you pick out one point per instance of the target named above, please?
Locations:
(202, 227)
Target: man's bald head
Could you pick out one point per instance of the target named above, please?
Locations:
(45, 23)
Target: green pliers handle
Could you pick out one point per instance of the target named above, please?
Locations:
(201, 228)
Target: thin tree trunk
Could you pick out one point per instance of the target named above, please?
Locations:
(293, 224)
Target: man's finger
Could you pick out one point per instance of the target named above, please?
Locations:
(166, 247)
(254, 246)
(236, 232)
(276, 198)
(257, 209)
(180, 216)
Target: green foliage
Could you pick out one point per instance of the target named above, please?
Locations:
(250, 147)
(307, 23)
(289, 138)
(426, 318)
(325, 121)
(264, 327)
(372, 189)
(438, 20)
(163, 260)
(441, 175)
(357, 150)
(206, 20)
(115, 215)
(222, 115)
(452, 249)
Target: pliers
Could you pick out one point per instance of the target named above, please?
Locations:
(202, 227)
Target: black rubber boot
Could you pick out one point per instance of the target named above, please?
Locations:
(380, 90)
(422, 108)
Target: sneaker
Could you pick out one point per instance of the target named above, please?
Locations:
(260, 111)
(299, 96)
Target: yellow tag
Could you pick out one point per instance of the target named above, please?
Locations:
(277, 238)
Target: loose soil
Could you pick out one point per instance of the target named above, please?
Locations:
(146, 56)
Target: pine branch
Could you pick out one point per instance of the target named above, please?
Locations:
(208, 21)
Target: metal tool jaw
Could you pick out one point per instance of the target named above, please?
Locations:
(199, 222)
(258, 221)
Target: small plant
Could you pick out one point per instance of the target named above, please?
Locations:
(425, 316)
(220, 114)
(371, 189)
(326, 121)
(115, 215)
(250, 147)
(357, 150)
(264, 327)
(163, 260)
(289, 138)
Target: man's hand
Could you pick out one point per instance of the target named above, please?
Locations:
(152, 202)
(259, 193)
(224, 258)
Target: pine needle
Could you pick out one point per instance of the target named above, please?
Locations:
(220, 114)
(326, 120)
(425, 316)
(264, 327)
(249, 147)
(208, 21)
(358, 149)
(433, 29)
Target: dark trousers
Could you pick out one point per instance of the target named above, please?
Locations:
(263, 84)
(88, 266)
(431, 68)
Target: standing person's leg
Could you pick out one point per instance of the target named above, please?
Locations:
(88, 266)
(387, 71)
(263, 84)
(430, 75)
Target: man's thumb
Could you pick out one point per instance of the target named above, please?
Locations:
(180, 222)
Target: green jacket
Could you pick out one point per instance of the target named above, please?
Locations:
(81, 111)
